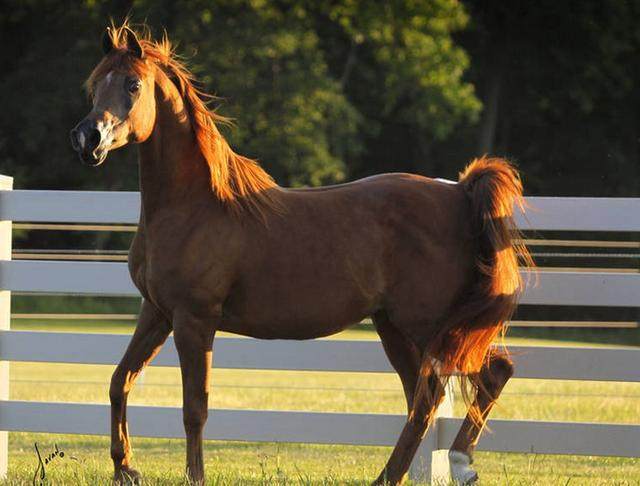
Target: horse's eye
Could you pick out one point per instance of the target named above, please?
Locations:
(134, 86)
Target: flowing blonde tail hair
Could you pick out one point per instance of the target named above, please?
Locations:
(465, 336)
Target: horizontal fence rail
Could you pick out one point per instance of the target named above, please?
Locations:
(321, 428)
(566, 363)
(581, 214)
(111, 207)
(541, 437)
(112, 278)
(120, 207)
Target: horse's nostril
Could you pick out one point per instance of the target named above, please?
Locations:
(73, 135)
(94, 138)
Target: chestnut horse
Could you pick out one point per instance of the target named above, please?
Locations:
(220, 246)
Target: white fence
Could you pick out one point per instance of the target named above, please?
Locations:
(99, 278)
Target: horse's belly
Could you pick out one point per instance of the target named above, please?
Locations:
(294, 318)
(281, 330)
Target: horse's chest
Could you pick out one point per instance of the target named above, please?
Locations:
(137, 264)
(147, 276)
(143, 267)
(171, 275)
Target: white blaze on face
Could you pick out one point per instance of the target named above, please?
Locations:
(106, 133)
(106, 127)
(81, 139)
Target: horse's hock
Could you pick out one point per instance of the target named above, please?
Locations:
(555, 287)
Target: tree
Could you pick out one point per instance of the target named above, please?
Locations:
(321, 91)
(399, 65)
(558, 81)
(48, 51)
(325, 89)
(265, 61)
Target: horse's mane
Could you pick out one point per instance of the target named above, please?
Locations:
(237, 181)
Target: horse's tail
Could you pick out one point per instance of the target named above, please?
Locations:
(479, 315)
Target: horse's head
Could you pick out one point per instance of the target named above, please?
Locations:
(122, 90)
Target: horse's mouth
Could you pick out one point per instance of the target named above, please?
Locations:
(95, 158)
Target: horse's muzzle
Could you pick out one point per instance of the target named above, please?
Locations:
(85, 139)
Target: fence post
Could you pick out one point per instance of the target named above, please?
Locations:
(6, 184)
(430, 464)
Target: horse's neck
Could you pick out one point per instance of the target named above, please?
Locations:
(172, 169)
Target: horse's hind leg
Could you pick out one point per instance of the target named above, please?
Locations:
(405, 358)
(491, 380)
(151, 332)
(403, 355)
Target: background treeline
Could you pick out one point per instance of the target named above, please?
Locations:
(325, 91)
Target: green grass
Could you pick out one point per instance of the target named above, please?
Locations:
(228, 463)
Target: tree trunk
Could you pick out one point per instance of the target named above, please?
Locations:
(349, 64)
(487, 137)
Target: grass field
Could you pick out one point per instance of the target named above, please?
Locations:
(162, 461)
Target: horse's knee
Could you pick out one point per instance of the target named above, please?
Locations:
(117, 453)
(194, 416)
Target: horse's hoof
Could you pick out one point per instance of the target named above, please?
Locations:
(127, 477)
(461, 471)
(382, 480)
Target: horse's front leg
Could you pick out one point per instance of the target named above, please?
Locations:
(151, 332)
(194, 340)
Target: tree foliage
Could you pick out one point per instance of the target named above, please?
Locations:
(330, 90)
(567, 97)
(314, 87)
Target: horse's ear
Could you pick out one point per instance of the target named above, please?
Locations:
(107, 42)
(133, 44)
